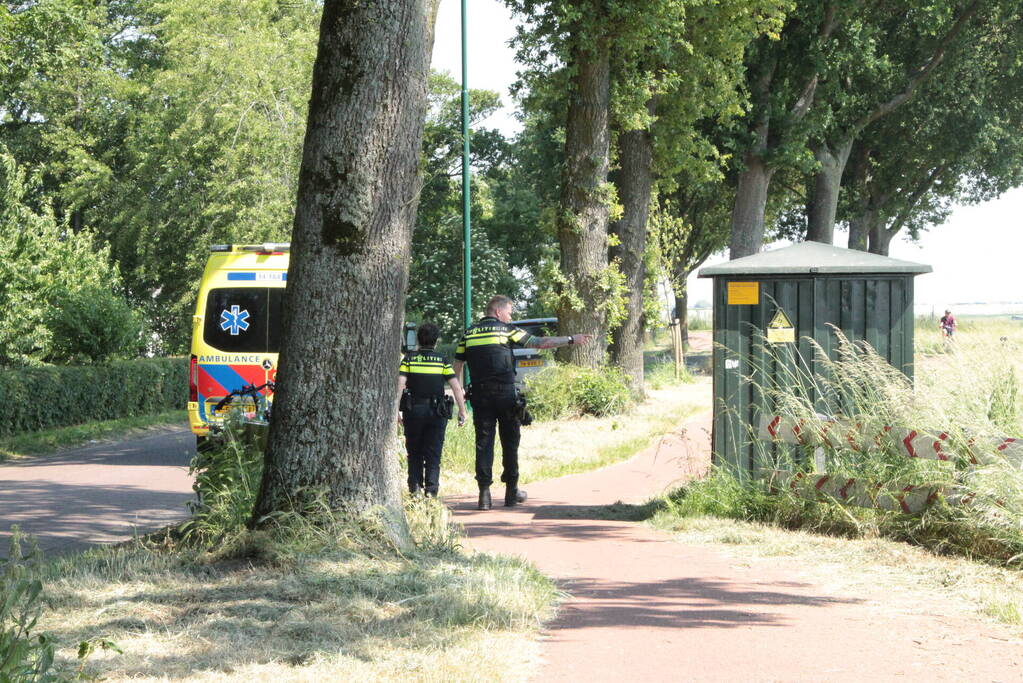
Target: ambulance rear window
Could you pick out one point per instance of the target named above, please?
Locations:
(244, 319)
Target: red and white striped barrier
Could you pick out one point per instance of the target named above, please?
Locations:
(997, 450)
(909, 500)
(834, 434)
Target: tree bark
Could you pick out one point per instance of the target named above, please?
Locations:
(583, 219)
(860, 223)
(750, 205)
(859, 229)
(880, 238)
(822, 199)
(334, 414)
(682, 309)
(634, 182)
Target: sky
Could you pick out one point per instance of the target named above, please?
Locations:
(975, 255)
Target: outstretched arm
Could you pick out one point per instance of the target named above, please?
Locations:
(554, 342)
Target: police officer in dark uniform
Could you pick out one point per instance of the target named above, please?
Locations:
(487, 348)
(424, 410)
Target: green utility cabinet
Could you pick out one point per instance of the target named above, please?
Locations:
(783, 298)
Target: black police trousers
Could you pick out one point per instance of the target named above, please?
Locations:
(424, 441)
(493, 409)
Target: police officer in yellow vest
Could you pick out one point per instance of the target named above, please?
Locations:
(487, 348)
(424, 410)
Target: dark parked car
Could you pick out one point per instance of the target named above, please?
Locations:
(529, 361)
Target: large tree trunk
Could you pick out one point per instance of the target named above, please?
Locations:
(334, 414)
(861, 223)
(859, 229)
(881, 238)
(822, 199)
(747, 228)
(634, 182)
(749, 208)
(582, 221)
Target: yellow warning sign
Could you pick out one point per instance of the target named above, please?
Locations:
(781, 330)
(780, 321)
(743, 293)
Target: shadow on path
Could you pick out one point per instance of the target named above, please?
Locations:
(67, 517)
(98, 494)
(690, 602)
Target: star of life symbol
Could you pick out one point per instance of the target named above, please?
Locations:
(234, 321)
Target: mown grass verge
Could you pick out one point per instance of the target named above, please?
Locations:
(979, 532)
(311, 596)
(581, 444)
(49, 440)
(293, 606)
(901, 573)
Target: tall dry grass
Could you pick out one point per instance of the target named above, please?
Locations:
(971, 392)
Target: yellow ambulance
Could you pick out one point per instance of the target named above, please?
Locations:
(236, 329)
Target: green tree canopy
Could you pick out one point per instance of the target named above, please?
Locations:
(43, 265)
(955, 143)
(435, 278)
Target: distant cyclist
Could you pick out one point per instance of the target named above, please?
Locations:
(948, 324)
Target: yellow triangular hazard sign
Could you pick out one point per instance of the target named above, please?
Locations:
(780, 321)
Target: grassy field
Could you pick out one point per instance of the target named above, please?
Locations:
(974, 379)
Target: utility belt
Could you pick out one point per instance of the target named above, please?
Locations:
(491, 386)
(440, 405)
(522, 413)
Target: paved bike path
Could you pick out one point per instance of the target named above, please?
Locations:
(98, 494)
(645, 607)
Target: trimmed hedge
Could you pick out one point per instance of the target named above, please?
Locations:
(32, 399)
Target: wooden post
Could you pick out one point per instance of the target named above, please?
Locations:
(681, 347)
(676, 346)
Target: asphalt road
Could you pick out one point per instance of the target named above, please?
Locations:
(98, 494)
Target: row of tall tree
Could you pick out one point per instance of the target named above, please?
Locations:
(654, 135)
(691, 126)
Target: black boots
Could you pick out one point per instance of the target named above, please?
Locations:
(513, 496)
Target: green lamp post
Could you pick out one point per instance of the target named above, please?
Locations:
(467, 246)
